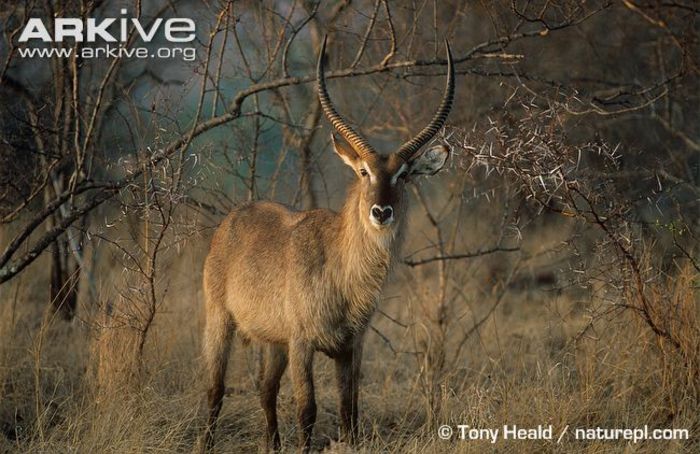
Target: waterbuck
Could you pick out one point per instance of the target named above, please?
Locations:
(306, 281)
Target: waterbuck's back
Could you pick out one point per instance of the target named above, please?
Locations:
(263, 264)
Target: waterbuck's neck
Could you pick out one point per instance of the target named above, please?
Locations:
(364, 253)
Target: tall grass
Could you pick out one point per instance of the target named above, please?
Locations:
(533, 355)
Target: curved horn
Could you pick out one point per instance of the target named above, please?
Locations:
(360, 145)
(408, 149)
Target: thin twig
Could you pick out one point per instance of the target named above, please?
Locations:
(468, 255)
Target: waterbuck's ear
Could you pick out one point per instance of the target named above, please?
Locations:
(430, 160)
(346, 152)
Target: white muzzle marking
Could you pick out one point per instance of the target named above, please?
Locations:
(381, 215)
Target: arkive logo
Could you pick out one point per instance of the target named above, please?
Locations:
(108, 31)
(176, 30)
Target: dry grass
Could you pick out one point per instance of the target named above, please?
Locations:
(539, 358)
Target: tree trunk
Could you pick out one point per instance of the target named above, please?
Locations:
(65, 280)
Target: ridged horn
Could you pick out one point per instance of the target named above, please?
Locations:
(408, 149)
(360, 145)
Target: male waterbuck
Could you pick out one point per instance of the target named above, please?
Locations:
(306, 281)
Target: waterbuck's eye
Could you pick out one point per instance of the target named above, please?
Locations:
(363, 172)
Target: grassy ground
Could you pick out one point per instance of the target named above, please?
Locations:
(528, 363)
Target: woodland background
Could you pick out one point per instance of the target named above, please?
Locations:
(550, 274)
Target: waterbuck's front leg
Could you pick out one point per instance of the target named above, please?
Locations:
(347, 369)
(274, 363)
(301, 357)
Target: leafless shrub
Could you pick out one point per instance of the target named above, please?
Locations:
(154, 229)
(578, 180)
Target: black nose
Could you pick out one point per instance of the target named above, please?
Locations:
(382, 214)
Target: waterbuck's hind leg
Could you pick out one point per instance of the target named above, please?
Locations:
(218, 333)
(274, 364)
(301, 356)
